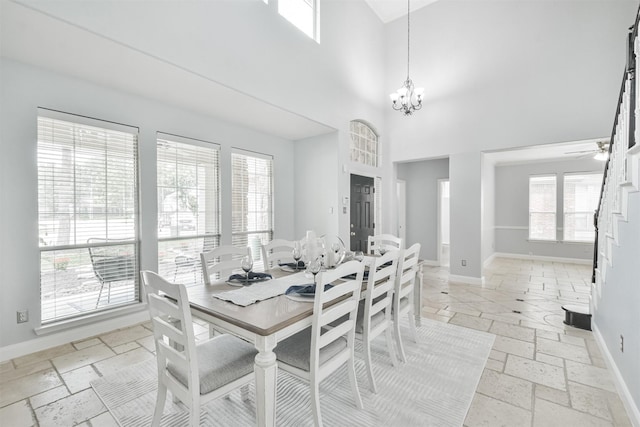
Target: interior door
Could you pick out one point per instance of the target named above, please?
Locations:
(362, 211)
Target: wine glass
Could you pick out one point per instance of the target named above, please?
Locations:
(358, 255)
(315, 266)
(247, 265)
(382, 249)
(296, 253)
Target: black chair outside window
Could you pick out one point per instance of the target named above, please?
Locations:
(113, 262)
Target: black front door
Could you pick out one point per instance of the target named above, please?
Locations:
(362, 211)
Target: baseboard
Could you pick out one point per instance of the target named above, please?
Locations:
(75, 334)
(489, 260)
(625, 395)
(466, 279)
(430, 263)
(543, 258)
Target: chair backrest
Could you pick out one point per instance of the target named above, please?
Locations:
(111, 260)
(221, 261)
(407, 268)
(388, 240)
(277, 251)
(380, 284)
(337, 306)
(172, 328)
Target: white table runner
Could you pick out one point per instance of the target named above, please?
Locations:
(259, 291)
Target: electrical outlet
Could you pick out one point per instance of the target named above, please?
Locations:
(22, 316)
(464, 262)
(621, 343)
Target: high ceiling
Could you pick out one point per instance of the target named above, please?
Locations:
(389, 10)
(25, 36)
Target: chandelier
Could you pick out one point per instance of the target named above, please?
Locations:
(408, 98)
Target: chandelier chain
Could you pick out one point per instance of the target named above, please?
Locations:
(408, 35)
(408, 98)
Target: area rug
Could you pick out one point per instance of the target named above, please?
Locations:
(434, 388)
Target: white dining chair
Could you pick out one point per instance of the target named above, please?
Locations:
(389, 241)
(222, 261)
(403, 298)
(277, 251)
(194, 373)
(316, 352)
(374, 312)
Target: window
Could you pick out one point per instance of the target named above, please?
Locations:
(252, 201)
(364, 144)
(303, 14)
(581, 194)
(188, 205)
(87, 215)
(542, 207)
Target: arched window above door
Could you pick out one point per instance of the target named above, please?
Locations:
(364, 146)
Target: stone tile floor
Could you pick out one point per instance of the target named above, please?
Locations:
(540, 372)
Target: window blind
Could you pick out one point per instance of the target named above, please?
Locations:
(188, 182)
(542, 207)
(580, 197)
(87, 215)
(252, 200)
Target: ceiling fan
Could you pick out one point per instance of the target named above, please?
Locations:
(600, 153)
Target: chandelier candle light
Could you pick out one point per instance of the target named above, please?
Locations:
(408, 98)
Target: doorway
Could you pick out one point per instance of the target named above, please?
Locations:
(401, 189)
(443, 222)
(362, 212)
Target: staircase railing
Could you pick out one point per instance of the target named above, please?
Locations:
(622, 139)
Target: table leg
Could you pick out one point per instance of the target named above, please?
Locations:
(266, 372)
(417, 297)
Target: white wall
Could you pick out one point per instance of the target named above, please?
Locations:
(512, 209)
(445, 227)
(422, 203)
(316, 184)
(488, 209)
(501, 74)
(465, 172)
(24, 89)
(248, 46)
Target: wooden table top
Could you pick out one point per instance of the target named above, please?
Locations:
(262, 318)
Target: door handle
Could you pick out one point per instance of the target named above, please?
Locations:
(353, 233)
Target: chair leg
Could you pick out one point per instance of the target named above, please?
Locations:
(244, 393)
(194, 413)
(396, 327)
(315, 402)
(99, 295)
(389, 338)
(412, 326)
(351, 370)
(367, 361)
(161, 397)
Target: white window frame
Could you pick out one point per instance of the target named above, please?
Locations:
(314, 31)
(182, 233)
(111, 226)
(364, 146)
(553, 212)
(588, 213)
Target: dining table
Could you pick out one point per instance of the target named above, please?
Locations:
(264, 324)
